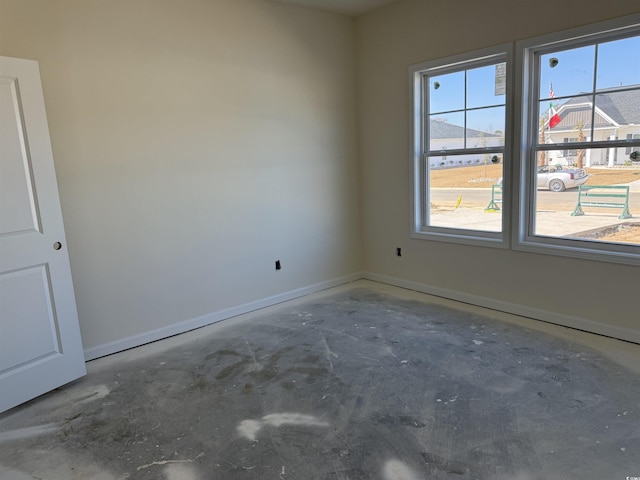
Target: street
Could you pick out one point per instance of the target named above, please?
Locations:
(547, 200)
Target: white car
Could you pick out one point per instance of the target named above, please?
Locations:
(558, 179)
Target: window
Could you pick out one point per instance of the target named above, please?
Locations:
(460, 141)
(477, 181)
(631, 136)
(570, 153)
(580, 87)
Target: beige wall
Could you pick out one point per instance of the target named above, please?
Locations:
(195, 143)
(594, 294)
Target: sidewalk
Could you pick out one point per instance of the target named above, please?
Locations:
(550, 223)
(634, 186)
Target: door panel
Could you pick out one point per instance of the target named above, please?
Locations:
(16, 188)
(36, 335)
(40, 344)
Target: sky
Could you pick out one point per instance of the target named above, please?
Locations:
(618, 64)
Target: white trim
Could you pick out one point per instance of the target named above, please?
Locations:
(213, 317)
(598, 110)
(585, 33)
(526, 100)
(462, 236)
(570, 321)
(574, 248)
(547, 316)
(419, 187)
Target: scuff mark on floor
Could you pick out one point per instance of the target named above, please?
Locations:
(166, 462)
(249, 429)
(90, 394)
(329, 353)
(256, 366)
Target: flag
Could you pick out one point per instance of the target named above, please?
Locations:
(554, 118)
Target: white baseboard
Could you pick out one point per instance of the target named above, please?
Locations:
(570, 321)
(621, 333)
(213, 317)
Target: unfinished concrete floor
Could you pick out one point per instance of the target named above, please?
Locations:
(362, 382)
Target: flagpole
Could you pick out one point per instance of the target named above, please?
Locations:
(549, 121)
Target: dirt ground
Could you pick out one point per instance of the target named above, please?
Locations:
(626, 233)
(484, 176)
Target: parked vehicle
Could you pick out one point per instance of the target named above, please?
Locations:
(558, 179)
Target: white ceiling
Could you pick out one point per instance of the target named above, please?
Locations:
(348, 7)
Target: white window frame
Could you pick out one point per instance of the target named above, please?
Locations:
(419, 164)
(526, 119)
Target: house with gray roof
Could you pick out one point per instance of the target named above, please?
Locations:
(447, 136)
(616, 116)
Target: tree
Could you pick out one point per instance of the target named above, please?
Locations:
(581, 152)
(542, 155)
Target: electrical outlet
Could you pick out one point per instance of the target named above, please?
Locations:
(278, 266)
(398, 251)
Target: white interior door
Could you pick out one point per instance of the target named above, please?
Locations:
(40, 345)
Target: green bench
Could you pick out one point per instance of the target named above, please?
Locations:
(606, 196)
(496, 197)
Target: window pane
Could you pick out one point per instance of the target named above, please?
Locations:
(461, 190)
(617, 114)
(619, 63)
(485, 86)
(462, 111)
(485, 127)
(446, 133)
(570, 154)
(602, 204)
(572, 73)
(446, 92)
(557, 121)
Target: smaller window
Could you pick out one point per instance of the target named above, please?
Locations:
(570, 153)
(631, 136)
(459, 145)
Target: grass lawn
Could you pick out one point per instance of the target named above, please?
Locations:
(484, 176)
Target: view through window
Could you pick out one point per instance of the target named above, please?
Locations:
(588, 95)
(575, 150)
(461, 145)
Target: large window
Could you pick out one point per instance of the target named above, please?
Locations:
(475, 180)
(581, 87)
(460, 143)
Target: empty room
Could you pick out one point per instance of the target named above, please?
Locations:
(319, 239)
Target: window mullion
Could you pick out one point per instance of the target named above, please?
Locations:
(424, 189)
(593, 92)
(467, 151)
(579, 145)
